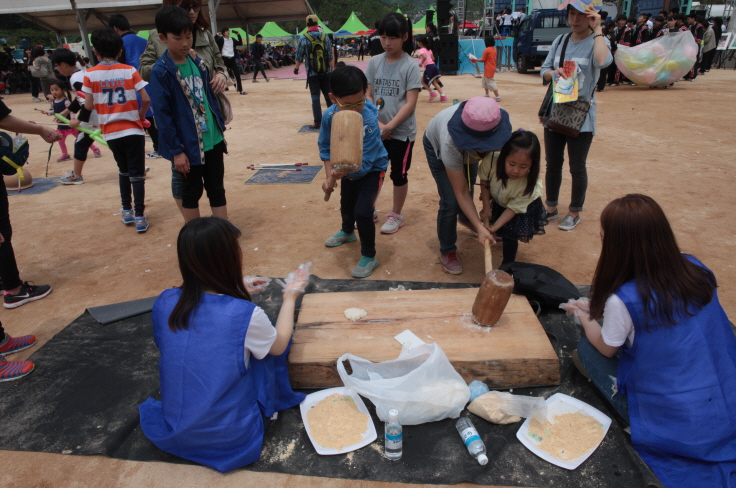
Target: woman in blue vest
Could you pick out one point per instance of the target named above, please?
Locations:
(665, 356)
(223, 368)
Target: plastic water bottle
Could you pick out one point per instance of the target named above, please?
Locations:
(394, 436)
(472, 440)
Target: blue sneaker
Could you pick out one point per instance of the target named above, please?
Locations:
(141, 224)
(365, 267)
(128, 216)
(340, 238)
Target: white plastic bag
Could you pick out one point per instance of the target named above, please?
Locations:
(660, 61)
(421, 384)
(504, 408)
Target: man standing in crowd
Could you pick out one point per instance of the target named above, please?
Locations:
(315, 51)
(258, 52)
(641, 32)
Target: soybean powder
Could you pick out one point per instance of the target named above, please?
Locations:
(569, 437)
(336, 422)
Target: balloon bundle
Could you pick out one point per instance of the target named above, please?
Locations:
(659, 62)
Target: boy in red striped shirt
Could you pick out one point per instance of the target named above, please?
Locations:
(113, 88)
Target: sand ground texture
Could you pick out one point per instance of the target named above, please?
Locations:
(676, 145)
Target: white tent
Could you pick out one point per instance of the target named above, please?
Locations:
(67, 17)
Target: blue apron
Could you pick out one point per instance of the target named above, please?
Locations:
(681, 387)
(212, 403)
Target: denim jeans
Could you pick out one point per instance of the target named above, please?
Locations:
(319, 84)
(130, 153)
(449, 210)
(603, 371)
(577, 154)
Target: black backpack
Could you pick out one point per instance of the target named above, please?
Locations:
(317, 54)
(541, 284)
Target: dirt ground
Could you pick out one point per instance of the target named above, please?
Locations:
(676, 145)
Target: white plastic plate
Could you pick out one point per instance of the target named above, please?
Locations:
(369, 435)
(557, 404)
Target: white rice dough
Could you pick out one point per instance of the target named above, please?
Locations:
(353, 314)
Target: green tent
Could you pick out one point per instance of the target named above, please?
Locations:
(398, 10)
(325, 29)
(271, 30)
(353, 24)
(421, 25)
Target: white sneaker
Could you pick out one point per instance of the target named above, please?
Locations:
(153, 155)
(393, 223)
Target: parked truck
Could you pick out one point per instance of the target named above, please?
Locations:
(535, 36)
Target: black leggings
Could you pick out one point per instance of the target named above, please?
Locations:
(8, 266)
(357, 200)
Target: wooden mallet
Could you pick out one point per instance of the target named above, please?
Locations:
(494, 292)
(346, 144)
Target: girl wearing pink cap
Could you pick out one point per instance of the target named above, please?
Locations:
(455, 141)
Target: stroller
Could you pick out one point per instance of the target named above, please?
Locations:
(16, 82)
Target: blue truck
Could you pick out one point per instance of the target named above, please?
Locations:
(535, 36)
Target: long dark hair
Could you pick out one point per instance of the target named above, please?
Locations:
(210, 259)
(528, 142)
(201, 21)
(396, 25)
(638, 244)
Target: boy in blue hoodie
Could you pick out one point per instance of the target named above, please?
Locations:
(188, 116)
(359, 189)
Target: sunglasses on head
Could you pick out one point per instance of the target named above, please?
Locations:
(191, 6)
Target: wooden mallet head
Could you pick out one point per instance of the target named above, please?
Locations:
(346, 144)
(494, 292)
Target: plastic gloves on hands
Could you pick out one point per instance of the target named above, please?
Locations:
(296, 281)
(254, 284)
(575, 307)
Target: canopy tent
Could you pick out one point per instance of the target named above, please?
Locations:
(365, 33)
(271, 30)
(70, 17)
(353, 24)
(468, 25)
(344, 33)
(420, 27)
(325, 29)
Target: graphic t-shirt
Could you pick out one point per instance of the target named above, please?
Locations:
(113, 88)
(190, 74)
(390, 82)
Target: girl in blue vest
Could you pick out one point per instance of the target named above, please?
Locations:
(223, 368)
(665, 356)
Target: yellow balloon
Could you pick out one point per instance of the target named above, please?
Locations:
(634, 64)
(672, 65)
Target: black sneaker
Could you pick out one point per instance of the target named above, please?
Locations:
(547, 215)
(27, 293)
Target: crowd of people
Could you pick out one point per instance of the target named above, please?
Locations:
(223, 368)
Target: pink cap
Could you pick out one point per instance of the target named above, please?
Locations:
(481, 114)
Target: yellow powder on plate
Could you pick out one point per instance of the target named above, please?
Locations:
(570, 436)
(336, 422)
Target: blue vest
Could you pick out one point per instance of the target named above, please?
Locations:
(681, 387)
(212, 405)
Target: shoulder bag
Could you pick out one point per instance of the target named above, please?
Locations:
(43, 72)
(565, 118)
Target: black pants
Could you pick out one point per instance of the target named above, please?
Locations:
(357, 200)
(319, 84)
(707, 60)
(208, 176)
(577, 154)
(603, 78)
(510, 246)
(8, 266)
(35, 86)
(130, 155)
(153, 132)
(233, 67)
(259, 66)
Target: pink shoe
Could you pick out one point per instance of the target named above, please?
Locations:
(443, 98)
(432, 95)
(451, 263)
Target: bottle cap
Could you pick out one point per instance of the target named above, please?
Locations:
(393, 413)
(482, 459)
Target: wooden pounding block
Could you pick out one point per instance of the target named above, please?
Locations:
(516, 352)
(346, 144)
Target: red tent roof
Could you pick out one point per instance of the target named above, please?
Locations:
(365, 32)
(468, 25)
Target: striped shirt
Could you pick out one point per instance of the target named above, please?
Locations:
(113, 88)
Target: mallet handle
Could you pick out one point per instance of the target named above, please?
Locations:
(332, 185)
(487, 248)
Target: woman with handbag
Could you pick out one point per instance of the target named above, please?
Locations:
(42, 69)
(572, 124)
(206, 48)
